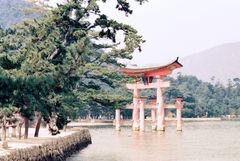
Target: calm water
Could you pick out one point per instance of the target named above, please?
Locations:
(199, 141)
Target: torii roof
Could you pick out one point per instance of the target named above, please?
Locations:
(152, 71)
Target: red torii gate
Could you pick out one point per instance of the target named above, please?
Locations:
(157, 106)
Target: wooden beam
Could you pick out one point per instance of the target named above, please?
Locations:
(170, 106)
(148, 106)
(151, 106)
(150, 85)
(131, 106)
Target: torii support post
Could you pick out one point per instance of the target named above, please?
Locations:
(160, 108)
(135, 114)
(142, 118)
(179, 106)
(153, 114)
(117, 119)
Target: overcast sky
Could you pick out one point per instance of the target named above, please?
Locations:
(177, 28)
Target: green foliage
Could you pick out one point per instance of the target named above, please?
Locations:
(203, 99)
(62, 62)
(7, 111)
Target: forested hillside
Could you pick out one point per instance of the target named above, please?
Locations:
(219, 63)
(205, 99)
(202, 99)
(11, 12)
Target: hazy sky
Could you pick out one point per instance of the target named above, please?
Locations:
(175, 28)
(181, 27)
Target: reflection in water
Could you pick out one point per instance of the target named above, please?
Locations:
(211, 141)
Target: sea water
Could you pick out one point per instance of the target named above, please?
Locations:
(199, 141)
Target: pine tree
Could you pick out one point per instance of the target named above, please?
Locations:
(62, 61)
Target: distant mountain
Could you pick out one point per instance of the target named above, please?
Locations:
(10, 12)
(221, 62)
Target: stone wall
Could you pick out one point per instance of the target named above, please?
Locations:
(57, 149)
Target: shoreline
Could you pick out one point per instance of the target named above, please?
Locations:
(128, 122)
(46, 148)
(95, 122)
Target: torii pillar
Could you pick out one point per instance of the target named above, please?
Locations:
(160, 106)
(141, 113)
(135, 115)
(179, 106)
(153, 114)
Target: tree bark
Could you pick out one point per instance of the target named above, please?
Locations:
(38, 125)
(19, 131)
(7, 131)
(4, 129)
(4, 133)
(26, 126)
(14, 131)
(65, 128)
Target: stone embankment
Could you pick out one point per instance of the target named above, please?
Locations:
(54, 149)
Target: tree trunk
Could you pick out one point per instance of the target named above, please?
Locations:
(38, 125)
(4, 141)
(65, 128)
(26, 126)
(19, 131)
(4, 133)
(7, 132)
(14, 131)
(4, 129)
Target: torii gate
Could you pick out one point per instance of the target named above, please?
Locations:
(157, 106)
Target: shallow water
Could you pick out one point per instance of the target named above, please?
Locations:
(199, 141)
